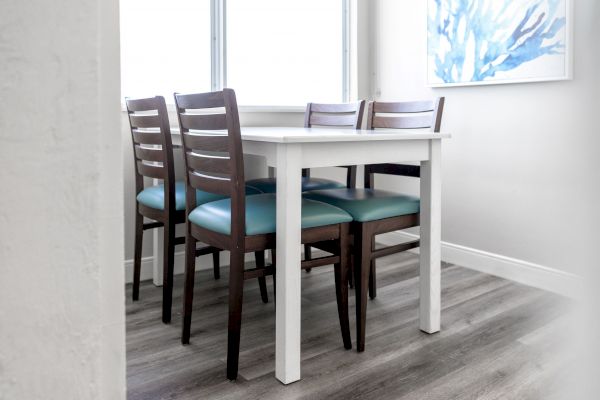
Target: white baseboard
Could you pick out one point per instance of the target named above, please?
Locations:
(520, 271)
(146, 273)
(202, 263)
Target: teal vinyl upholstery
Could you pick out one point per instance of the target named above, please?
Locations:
(368, 204)
(154, 196)
(269, 185)
(261, 217)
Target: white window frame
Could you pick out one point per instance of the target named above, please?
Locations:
(219, 54)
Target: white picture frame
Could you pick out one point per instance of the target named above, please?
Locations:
(519, 74)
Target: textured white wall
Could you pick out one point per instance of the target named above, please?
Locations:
(520, 174)
(61, 247)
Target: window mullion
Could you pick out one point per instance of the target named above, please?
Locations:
(346, 34)
(218, 45)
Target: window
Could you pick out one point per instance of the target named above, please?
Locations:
(272, 52)
(165, 47)
(285, 52)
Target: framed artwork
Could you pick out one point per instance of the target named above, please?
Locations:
(483, 42)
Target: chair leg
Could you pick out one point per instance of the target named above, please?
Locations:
(137, 257)
(188, 288)
(372, 276)
(362, 264)
(262, 282)
(341, 286)
(351, 273)
(216, 264)
(169, 260)
(307, 256)
(372, 281)
(236, 290)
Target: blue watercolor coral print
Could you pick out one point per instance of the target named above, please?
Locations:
(487, 40)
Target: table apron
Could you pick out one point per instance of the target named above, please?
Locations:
(314, 155)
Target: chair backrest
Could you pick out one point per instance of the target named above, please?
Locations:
(149, 123)
(212, 147)
(402, 115)
(342, 115)
(347, 114)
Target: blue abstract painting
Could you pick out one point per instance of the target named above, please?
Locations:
(474, 42)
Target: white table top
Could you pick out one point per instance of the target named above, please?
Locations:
(280, 134)
(312, 135)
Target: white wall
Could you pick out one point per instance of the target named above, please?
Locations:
(521, 169)
(61, 292)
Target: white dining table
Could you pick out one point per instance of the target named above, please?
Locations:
(289, 150)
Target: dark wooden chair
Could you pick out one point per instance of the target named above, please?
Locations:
(348, 115)
(376, 211)
(163, 203)
(214, 162)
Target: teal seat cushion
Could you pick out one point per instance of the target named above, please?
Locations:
(269, 185)
(261, 217)
(368, 204)
(154, 196)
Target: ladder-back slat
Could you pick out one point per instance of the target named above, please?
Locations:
(151, 171)
(415, 122)
(147, 154)
(147, 137)
(144, 121)
(203, 122)
(134, 105)
(333, 120)
(404, 107)
(335, 108)
(208, 164)
(200, 101)
(210, 184)
(207, 142)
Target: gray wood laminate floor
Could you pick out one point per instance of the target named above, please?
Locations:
(499, 340)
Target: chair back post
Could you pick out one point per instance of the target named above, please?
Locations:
(238, 180)
(212, 150)
(360, 114)
(438, 111)
(412, 115)
(149, 125)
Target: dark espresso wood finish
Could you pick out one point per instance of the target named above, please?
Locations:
(150, 128)
(401, 115)
(204, 113)
(345, 115)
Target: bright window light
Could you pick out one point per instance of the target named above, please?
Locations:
(277, 52)
(285, 52)
(165, 47)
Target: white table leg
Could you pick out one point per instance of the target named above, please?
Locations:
(158, 254)
(430, 252)
(287, 319)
